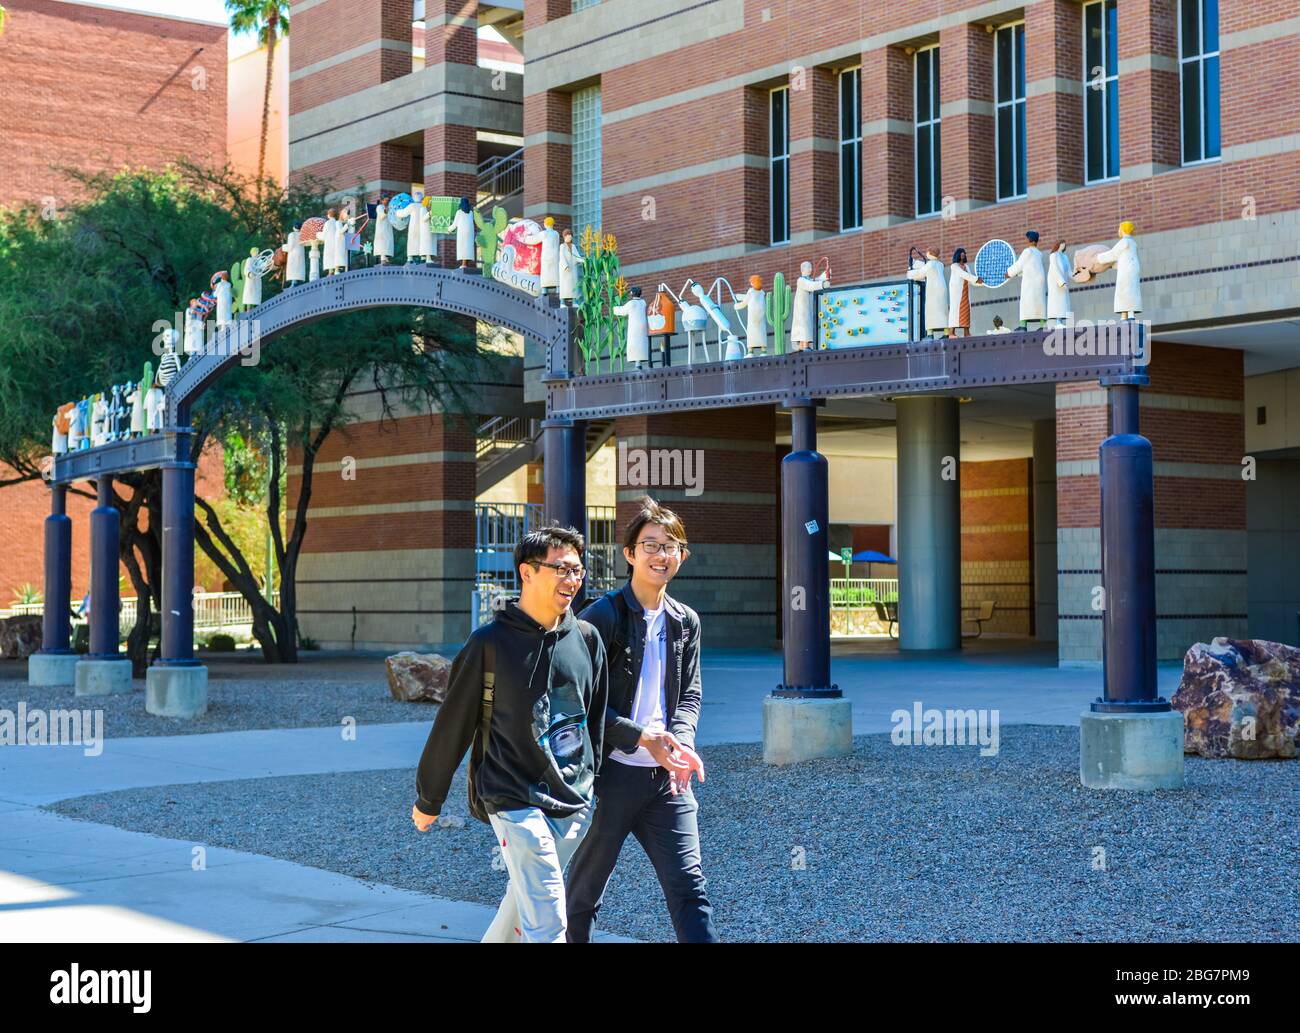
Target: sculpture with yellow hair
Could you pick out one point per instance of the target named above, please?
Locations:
(1128, 273)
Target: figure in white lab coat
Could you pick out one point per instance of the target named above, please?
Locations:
(155, 404)
(346, 224)
(930, 272)
(253, 280)
(1033, 283)
(549, 238)
(570, 260)
(193, 328)
(1058, 286)
(463, 226)
(329, 236)
(61, 428)
(76, 427)
(98, 422)
(225, 295)
(754, 304)
(638, 327)
(1128, 274)
(295, 257)
(428, 249)
(383, 232)
(136, 399)
(803, 329)
(959, 282)
(313, 260)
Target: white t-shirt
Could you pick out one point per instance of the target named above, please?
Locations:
(648, 705)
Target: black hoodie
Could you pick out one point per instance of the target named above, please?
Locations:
(548, 717)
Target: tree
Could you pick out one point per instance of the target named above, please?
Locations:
(270, 20)
(78, 301)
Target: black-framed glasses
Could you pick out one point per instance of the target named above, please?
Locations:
(563, 570)
(651, 547)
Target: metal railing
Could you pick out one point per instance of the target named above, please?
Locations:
(853, 606)
(212, 610)
(503, 432)
(498, 528)
(500, 177)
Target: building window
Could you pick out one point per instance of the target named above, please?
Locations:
(1009, 80)
(851, 149)
(582, 5)
(1100, 91)
(929, 187)
(1198, 63)
(779, 149)
(586, 181)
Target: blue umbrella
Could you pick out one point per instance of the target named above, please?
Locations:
(871, 556)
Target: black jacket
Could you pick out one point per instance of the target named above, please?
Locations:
(620, 619)
(547, 728)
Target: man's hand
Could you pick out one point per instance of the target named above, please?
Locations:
(424, 822)
(679, 780)
(663, 746)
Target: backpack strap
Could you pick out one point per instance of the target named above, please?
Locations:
(618, 641)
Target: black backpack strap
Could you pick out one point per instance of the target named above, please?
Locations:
(618, 640)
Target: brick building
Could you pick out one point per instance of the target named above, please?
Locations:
(94, 88)
(733, 137)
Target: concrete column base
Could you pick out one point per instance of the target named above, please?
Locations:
(804, 729)
(176, 691)
(1131, 751)
(102, 677)
(52, 669)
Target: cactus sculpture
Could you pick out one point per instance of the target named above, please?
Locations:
(780, 300)
(237, 286)
(488, 237)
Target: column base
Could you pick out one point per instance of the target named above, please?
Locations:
(1131, 751)
(102, 677)
(52, 669)
(805, 729)
(176, 691)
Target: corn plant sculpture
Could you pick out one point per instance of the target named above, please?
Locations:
(601, 288)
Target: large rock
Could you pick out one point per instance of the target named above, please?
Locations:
(1240, 698)
(20, 636)
(418, 677)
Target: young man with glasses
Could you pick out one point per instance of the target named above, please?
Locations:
(531, 685)
(653, 645)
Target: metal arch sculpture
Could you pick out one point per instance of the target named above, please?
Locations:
(418, 286)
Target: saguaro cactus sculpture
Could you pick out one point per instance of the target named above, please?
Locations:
(488, 237)
(780, 300)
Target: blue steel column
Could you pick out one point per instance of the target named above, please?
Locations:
(564, 445)
(1128, 565)
(929, 523)
(177, 647)
(806, 607)
(56, 627)
(105, 600)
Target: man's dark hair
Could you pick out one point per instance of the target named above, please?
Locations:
(538, 542)
(652, 513)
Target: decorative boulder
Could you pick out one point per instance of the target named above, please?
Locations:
(1240, 698)
(20, 636)
(418, 677)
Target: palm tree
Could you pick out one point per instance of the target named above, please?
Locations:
(270, 20)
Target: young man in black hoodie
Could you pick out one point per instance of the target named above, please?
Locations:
(644, 786)
(534, 770)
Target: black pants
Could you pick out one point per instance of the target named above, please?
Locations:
(638, 800)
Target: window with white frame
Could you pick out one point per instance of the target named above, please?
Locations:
(581, 5)
(586, 171)
(1198, 65)
(929, 186)
(851, 149)
(1100, 91)
(1009, 96)
(779, 161)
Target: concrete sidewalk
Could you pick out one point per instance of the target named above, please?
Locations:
(69, 881)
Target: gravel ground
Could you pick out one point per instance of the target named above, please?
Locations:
(243, 693)
(897, 844)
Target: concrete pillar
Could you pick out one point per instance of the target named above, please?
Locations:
(929, 523)
(806, 716)
(1044, 517)
(177, 685)
(56, 664)
(104, 670)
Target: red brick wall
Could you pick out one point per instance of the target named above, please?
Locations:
(95, 89)
(997, 541)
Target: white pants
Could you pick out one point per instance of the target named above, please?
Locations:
(536, 850)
